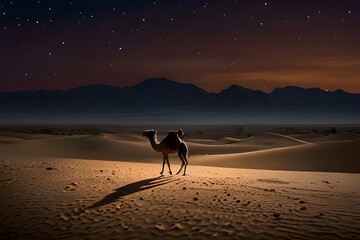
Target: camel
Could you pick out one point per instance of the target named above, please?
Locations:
(171, 144)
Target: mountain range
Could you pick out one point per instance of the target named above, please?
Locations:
(163, 98)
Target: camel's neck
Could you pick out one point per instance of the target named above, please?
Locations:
(155, 144)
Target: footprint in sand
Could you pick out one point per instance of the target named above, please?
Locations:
(276, 215)
(70, 187)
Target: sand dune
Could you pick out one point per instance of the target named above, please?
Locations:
(328, 157)
(44, 198)
(27, 136)
(82, 146)
(338, 152)
(317, 138)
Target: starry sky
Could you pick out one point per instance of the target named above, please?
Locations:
(61, 44)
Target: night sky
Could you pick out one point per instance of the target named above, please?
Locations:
(213, 44)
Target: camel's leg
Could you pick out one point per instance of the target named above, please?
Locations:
(182, 165)
(186, 161)
(185, 155)
(162, 170)
(168, 163)
(182, 162)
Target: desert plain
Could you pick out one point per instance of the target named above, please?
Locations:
(242, 182)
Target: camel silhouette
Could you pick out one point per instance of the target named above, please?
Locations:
(171, 144)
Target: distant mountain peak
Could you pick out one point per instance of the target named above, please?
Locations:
(163, 93)
(157, 80)
(235, 89)
(296, 88)
(340, 91)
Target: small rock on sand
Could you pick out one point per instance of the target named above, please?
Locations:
(178, 226)
(160, 226)
(195, 199)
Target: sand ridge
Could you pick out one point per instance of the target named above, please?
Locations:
(275, 151)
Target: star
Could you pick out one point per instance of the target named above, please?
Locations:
(223, 29)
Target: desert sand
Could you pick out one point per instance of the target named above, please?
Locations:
(269, 150)
(108, 187)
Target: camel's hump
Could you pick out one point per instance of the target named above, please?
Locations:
(172, 138)
(172, 133)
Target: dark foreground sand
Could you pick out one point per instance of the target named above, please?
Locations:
(49, 198)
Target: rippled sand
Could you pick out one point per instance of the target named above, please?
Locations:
(55, 198)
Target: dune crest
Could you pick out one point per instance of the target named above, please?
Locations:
(269, 150)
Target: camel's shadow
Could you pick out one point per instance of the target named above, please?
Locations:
(133, 188)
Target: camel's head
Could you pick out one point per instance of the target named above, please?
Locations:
(180, 134)
(149, 133)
